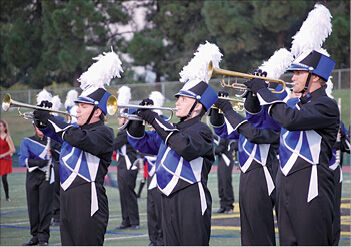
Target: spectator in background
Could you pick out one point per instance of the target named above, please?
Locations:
(6, 149)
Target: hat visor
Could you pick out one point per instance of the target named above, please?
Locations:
(185, 93)
(85, 100)
(297, 67)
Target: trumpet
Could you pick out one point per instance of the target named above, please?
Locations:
(129, 116)
(217, 71)
(7, 103)
(237, 103)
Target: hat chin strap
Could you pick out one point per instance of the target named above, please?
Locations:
(190, 111)
(91, 114)
(310, 69)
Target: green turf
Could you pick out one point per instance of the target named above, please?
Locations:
(15, 226)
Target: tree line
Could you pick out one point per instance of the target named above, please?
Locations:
(45, 42)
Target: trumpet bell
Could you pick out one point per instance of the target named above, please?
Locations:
(111, 105)
(6, 103)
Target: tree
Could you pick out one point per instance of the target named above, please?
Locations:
(51, 41)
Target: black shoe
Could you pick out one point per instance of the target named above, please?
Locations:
(30, 243)
(135, 227)
(43, 243)
(122, 226)
(220, 211)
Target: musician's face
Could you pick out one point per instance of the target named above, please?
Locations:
(39, 133)
(184, 105)
(299, 78)
(83, 113)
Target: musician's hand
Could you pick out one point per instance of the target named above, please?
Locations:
(260, 72)
(255, 84)
(146, 114)
(46, 104)
(224, 105)
(146, 102)
(223, 94)
(41, 118)
(43, 163)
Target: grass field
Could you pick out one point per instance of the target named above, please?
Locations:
(14, 224)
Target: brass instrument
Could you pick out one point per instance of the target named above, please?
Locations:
(237, 103)
(7, 103)
(115, 105)
(217, 71)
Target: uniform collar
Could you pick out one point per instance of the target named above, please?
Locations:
(187, 123)
(92, 125)
(315, 94)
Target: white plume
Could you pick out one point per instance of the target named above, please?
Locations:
(158, 100)
(330, 85)
(107, 67)
(197, 68)
(124, 95)
(56, 103)
(313, 32)
(72, 95)
(43, 95)
(278, 63)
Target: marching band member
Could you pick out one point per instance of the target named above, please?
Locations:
(85, 156)
(154, 208)
(55, 221)
(224, 151)
(258, 142)
(184, 154)
(335, 164)
(37, 153)
(127, 171)
(309, 129)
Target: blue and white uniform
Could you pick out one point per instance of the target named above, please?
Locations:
(258, 138)
(341, 146)
(184, 158)
(37, 154)
(127, 172)
(85, 156)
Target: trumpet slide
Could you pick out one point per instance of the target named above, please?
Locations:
(218, 71)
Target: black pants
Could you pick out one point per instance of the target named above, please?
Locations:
(256, 209)
(55, 207)
(154, 221)
(301, 222)
(129, 204)
(337, 202)
(182, 219)
(225, 188)
(39, 197)
(6, 185)
(77, 226)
